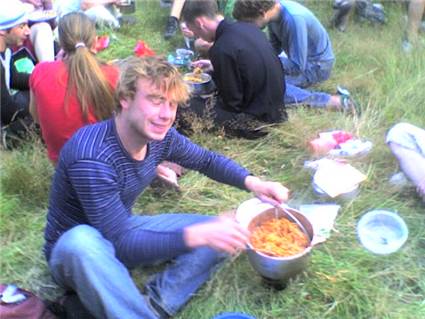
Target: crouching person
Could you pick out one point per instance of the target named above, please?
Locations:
(92, 237)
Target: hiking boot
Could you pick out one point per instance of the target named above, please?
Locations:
(171, 28)
(348, 105)
(342, 9)
(342, 90)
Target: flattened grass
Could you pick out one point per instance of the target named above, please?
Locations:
(342, 280)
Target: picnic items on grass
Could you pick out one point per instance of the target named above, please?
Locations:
(334, 177)
(339, 143)
(182, 57)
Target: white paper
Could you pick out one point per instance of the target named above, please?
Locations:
(336, 178)
(322, 218)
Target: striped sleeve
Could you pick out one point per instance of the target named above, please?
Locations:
(98, 191)
(216, 166)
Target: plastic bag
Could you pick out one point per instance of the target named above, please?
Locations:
(102, 42)
(142, 49)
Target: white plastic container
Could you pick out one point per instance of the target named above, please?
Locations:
(382, 231)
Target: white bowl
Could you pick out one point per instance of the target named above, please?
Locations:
(382, 232)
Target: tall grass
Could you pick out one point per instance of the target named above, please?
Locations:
(342, 280)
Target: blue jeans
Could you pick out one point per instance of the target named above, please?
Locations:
(313, 74)
(84, 261)
(296, 95)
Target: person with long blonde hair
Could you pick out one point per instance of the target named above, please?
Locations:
(75, 91)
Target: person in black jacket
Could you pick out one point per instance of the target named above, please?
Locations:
(247, 72)
(15, 69)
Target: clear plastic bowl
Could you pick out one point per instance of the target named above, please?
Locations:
(382, 231)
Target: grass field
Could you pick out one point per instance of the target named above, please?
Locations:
(342, 280)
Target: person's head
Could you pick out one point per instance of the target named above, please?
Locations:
(77, 37)
(13, 23)
(202, 18)
(149, 92)
(76, 30)
(259, 12)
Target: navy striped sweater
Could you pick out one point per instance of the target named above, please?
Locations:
(97, 182)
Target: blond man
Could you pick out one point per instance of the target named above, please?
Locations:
(92, 237)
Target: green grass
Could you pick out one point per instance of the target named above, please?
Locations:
(342, 279)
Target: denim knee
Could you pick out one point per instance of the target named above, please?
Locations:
(82, 242)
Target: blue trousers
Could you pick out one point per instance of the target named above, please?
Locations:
(314, 72)
(297, 95)
(295, 84)
(84, 261)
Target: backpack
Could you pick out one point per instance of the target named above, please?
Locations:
(16, 303)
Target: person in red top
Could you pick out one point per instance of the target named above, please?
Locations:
(78, 90)
(70, 93)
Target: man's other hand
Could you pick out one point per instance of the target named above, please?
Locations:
(223, 234)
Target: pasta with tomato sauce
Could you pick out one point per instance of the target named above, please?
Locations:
(279, 237)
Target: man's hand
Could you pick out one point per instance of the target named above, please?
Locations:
(186, 31)
(168, 175)
(223, 234)
(271, 192)
(204, 64)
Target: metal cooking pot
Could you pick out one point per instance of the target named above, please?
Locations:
(274, 268)
(204, 87)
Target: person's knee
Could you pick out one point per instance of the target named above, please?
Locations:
(401, 128)
(84, 242)
(399, 133)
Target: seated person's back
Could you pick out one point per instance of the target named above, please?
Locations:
(247, 72)
(73, 92)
